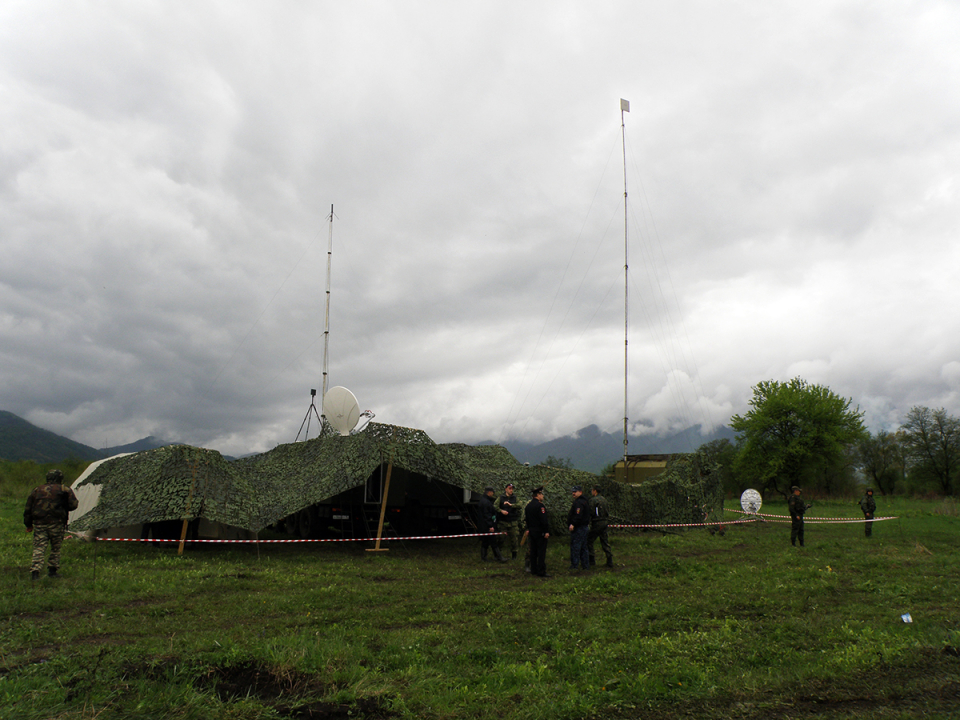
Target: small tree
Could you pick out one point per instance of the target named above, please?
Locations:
(881, 460)
(724, 454)
(795, 431)
(932, 443)
(555, 462)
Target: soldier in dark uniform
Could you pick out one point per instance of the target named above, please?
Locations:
(487, 523)
(509, 508)
(869, 507)
(797, 508)
(599, 517)
(578, 523)
(538, 528)
(46, 514)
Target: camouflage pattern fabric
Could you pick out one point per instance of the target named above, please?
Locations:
(47, 534)
(49, 503)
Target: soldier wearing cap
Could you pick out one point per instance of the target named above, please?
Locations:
(509, 508)
(578, 523)
(869, 506)
(538, 529)
(599, 517)
(46, 514)
(487, 523)
(797, 508)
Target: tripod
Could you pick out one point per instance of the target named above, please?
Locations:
(306, 418)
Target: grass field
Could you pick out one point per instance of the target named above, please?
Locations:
(687, 624)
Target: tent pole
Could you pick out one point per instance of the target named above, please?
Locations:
(383, 502)
(186, 512)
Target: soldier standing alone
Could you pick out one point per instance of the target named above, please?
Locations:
(869, 507)
(46, 514)
(797, 508)
(599, 516)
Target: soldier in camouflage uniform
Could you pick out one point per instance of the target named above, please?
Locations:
(599, 517)
(46, 515)
(797, 508)
(869, 506)
(509, 508)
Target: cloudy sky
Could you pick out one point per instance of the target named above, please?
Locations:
(167, 170)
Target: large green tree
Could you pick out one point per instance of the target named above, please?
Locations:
(932, 442)
(795, 434)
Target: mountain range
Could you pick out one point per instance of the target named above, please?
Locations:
(587, 449)
(21, 440)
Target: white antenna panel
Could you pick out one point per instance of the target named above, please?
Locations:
(751, 501)
(341, 409)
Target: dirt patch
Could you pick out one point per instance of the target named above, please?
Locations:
(369, 708)
(278, 688)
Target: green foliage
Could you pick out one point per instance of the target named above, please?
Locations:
(797, 434)
(687, 625)
(723, 454)
(19, 478)
(931, 441)
(882, 461)
(562, 463)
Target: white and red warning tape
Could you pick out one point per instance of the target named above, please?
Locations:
(812, 520)
(753, 517)
(298, 540)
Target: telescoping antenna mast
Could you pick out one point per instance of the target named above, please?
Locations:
(625, 107)
(326, 314)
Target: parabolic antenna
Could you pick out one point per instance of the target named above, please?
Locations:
(341, 409)
(751, 501)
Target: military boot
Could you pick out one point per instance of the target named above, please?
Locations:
(513, 555)
(609, 562)
(52, 572)
(497, 555)
(483, 552)
(34, 574)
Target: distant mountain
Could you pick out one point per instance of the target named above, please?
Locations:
(20, 440)
(591, 450)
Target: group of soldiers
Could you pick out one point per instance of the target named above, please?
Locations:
(797, 508)
(587, 522)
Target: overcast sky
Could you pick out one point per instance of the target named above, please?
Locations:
(167, 169)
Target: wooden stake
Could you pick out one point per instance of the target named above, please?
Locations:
(186, 511)
(383, 503)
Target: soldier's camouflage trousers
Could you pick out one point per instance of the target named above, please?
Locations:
(513, 536)
(44, 534)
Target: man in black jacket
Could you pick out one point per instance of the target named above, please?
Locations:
(487, 523)
(538, 527)
(578, 523)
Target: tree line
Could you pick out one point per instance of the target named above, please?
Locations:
(796, 433)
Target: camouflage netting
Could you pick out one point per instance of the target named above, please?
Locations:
(155, 485)
(291, 477)
(258, 491)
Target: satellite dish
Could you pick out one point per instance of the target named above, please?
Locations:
(751, 501)
(341, 409)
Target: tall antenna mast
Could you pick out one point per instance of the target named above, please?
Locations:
(625, 107)
(326, 315)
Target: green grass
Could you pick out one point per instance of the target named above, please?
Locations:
(688, 624)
